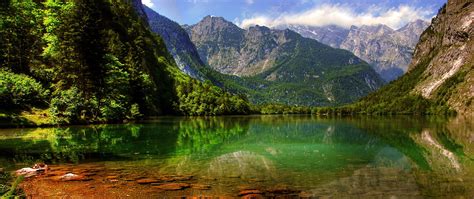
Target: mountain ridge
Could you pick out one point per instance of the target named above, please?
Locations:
(387, 50)
(281, 56)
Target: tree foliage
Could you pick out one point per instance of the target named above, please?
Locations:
(101, 63)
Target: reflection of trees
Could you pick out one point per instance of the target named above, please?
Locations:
(73, 144)
(201, 135)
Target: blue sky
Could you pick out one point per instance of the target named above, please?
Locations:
(394, 13)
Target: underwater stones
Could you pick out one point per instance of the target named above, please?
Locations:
(111, 177)
(252, 196)
(73, 177)
(281, 189)
(172, 178)
(173, 186)
(147, 181)
(201, 186)
(249, 192)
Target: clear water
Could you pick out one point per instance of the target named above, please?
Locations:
(313, 157)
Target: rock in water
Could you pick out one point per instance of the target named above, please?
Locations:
(33, 171)
(173, 186)
(73, 177)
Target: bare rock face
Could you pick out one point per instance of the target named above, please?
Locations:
(446, 51)
(331, 35)
(388, 51)
(218, 42)
(177, 42)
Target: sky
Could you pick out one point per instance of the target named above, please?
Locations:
(271, 13)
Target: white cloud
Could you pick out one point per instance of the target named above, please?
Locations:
(342, 15)
(148, 3)
(249, 2)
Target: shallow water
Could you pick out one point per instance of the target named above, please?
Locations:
(295, 156)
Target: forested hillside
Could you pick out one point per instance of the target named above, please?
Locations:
(93, 61)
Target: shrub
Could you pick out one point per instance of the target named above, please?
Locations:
(19, 90)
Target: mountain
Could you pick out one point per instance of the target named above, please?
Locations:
(177, 42)
(440, 77)
(331, 35)
(388, 51)
(280, 66)
(446, 52)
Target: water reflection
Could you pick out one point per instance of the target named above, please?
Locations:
(362, 156)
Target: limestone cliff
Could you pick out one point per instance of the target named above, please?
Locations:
(446, 50)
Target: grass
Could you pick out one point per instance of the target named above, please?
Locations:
(32, 117)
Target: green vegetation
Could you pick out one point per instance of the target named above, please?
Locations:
(13, 192)
(19, 90)
(91, 61)
(307, 73)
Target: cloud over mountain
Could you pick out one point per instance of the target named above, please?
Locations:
(342, 15)
(148, 3)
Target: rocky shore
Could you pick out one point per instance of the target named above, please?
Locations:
(100, 181)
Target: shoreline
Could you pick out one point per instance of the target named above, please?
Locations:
(22, 122)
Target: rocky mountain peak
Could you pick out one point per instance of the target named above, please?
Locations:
(216, 23)
(387, 50)
(372, 30)
(258, 28)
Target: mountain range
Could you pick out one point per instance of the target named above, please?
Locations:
(387, 50)
(268, 65)
(281, 66)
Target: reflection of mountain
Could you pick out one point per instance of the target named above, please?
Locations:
(442, 156)
(242, 164)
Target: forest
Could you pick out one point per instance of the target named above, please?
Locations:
(93, 61)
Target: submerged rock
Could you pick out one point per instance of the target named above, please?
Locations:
(173, 186)
(147, 181)
(281, 189)
(252, 196)
(249, 192)
(73, 177)
(201, 186)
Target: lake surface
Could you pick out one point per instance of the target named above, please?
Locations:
(293, 156)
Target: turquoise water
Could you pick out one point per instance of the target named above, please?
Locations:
(340, 157)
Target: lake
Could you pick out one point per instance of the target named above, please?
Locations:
(250, 156)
